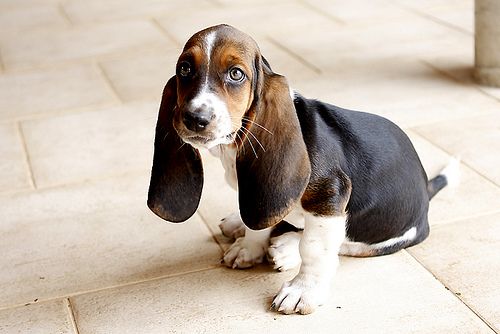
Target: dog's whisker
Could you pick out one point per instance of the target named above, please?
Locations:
(258, 142)
(236, 133)
(240, 130)
(183, 143)
(253, 148)
(248, 120)
(238, 127)
(243, 129)
(257, 124)
(241, 140)
(165, 137)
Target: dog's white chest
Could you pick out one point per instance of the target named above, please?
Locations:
(227, 156)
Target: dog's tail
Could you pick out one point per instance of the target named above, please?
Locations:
(450, 175)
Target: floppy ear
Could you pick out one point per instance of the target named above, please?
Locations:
(272, 163)
(177, 173)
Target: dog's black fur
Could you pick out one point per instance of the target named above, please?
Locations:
(389, 185)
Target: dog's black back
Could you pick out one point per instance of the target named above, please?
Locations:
(389, 185)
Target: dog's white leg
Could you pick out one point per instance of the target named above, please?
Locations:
(232, 226)
(319, 248)
(248, 250)
(283, 251)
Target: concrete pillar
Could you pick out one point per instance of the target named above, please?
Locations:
(487, 47)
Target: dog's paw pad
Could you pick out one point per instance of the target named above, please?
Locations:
(244, 254)
(283, 251)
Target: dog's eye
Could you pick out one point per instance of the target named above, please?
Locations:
(237, 75)
(184, 69)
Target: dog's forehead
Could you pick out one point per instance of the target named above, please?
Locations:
(222, 37)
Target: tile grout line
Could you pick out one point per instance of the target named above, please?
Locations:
(77, 183)
(435, 20)
(442, 73)
(294, 55)
(83, 60)
(108, 81)
(64, 14)
(437, 121)
(315, 9)
(212, 233)
(71, 315)
(27, 159)
(462, 218)
(415, 130)
(164, 32)
(68, 111)
(111, 287)
(473, 84)
(461, 160)
(485, 321)
(216, 3)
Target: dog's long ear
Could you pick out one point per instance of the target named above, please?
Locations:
(272, 163)
(177, 173)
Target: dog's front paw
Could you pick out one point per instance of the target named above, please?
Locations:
(283, 251)
(232, 226)
(300, 295)
(244, 254)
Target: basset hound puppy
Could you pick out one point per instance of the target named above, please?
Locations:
(351, 181)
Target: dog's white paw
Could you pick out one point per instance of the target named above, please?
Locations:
(283, 251)
(300, 295)
(244, 254)
(232, 226)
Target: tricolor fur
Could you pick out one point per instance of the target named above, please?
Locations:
(351, 180)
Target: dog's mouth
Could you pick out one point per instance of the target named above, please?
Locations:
(200, 141)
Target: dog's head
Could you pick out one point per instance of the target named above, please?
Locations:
(225, 93)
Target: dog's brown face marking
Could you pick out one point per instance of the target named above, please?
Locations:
(215, 85)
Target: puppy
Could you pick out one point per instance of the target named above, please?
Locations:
(351, 180)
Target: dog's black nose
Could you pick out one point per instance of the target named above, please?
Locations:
(197, 120)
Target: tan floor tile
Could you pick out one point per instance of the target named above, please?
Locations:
(461, 69)
(273, 17)
(474, 195)
(404, 90)
(64, 241)
(464, 256)
(26, 94)
(359, 11)
(92, 144)
(366, 41)
(96, 10)
(458, 13)
(7, 4)
(55, 46)
(286, 63)
(50, 317)
(142, 76)
(13, 168)
(249, 3)
(16, 19)
(410, 61)
(391, 294)
(477, 144)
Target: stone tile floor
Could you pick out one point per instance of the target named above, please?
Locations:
(80, 83)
